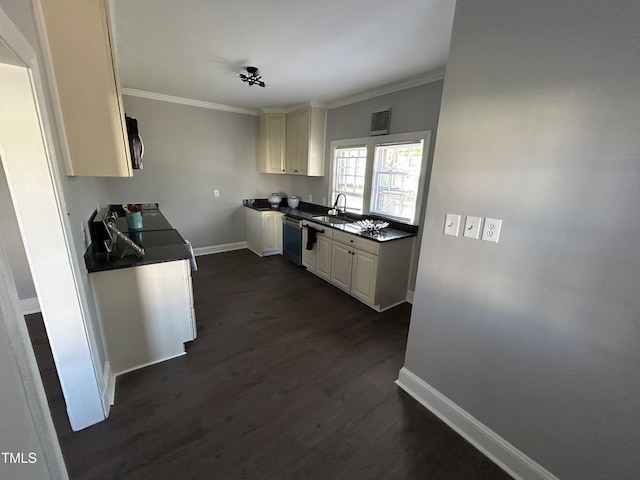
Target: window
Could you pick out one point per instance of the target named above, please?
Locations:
(350, 167)
(382, 178)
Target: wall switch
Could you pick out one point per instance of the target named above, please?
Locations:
(451, 224)
(216, 193)
(472, 227)
(491, 230)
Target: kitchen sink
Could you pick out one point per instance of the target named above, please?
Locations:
(332, 219)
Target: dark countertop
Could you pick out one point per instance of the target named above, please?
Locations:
(306, 211)
(161, 243)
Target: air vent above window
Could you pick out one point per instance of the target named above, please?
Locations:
(380, 121)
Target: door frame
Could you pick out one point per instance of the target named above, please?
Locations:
(34, 182)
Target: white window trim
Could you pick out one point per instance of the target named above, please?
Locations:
(371, 143)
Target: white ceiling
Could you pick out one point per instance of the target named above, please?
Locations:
(318, 50)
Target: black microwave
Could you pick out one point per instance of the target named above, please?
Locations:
(136, 147)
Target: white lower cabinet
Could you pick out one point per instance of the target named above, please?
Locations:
(264, 232)
(318, 259)
(323, 258)
(376, 273)
(364, 274)
(355, 270)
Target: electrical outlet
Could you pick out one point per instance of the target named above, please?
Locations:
(472, 227)
(451, 224)
(310, 198)
(216, 193)
(491, 230)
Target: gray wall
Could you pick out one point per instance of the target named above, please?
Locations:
(413, 109)
(189, 152)
(537, 336)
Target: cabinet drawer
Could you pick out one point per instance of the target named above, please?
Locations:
(357, 242)
(321, 230)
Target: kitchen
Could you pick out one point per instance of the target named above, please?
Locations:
(217, 148)
(508, 336)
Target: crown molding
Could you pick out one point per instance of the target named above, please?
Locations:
(187, 101)
(376, 92)
(267, 110)
(390, 88)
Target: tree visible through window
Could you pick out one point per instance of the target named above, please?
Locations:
(396, 180)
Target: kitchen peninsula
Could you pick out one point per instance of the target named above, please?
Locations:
(145, 302)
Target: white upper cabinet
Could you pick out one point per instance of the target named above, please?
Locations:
(305, 142)
(271, 143)
(293, 142)
(78, 36)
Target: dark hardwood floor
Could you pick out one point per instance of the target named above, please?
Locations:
(289, 378)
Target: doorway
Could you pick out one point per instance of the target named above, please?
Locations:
(33, 182)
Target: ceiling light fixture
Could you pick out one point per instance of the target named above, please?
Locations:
(252, 77)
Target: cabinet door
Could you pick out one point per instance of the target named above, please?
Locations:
(87, 99)
(272, 135)
(304, 120)
(293, 154)
(323, 257)
(272, 231)
(341, 260)
(364, 273)
(308, 256)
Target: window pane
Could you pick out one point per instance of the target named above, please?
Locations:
(395, 182)
(348, 176)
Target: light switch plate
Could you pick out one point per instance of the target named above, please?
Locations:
(451, 224)
(491, 230)
(472, 227)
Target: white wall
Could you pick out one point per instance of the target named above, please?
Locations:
(537, 336)
(26, 427)
(10, 233)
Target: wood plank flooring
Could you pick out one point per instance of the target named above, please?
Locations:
(289, 378)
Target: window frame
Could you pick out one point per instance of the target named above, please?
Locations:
(370, 143)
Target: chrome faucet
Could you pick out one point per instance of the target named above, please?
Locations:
(335, 205)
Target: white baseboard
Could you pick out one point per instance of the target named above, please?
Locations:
(30, 305)
(227, 247)
(496, 448)
(410, 294)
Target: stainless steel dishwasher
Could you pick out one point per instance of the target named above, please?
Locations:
(292, 239)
